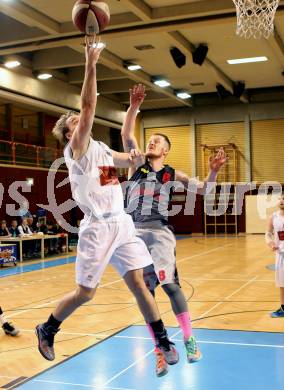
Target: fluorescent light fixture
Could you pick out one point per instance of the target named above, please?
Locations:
(162, 83)
(44, 76)
(134, 67)
(183, 95)
(99, 45)
(12, 64)
(247, 60)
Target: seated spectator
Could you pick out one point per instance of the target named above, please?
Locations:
(25, 231)
(30, 222)
(14, 231)
(53, 242)
(4, 231)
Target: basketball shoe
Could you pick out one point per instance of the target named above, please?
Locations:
(192, 351)
(278, 313)
(10, 329)
(45, 335)
(161, 364)
(170, 353)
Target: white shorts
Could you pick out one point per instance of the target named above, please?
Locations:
(113, 242)
(161, 243)
(279, 270)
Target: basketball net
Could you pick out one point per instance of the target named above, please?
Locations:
(255, 18)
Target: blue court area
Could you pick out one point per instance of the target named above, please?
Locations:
(233, 360)
(23, 268)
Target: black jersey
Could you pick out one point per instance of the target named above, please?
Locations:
(148, 196)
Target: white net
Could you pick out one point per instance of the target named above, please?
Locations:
(255, 18)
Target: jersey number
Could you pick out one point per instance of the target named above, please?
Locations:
(162, 275)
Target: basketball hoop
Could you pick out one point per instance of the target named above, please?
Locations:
(255, 18)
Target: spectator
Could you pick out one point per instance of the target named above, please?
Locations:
(30, 222)
(25, 231)
(14, 231)
(53, 242)
(4, 231)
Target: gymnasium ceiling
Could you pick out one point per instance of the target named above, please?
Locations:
(41, 34)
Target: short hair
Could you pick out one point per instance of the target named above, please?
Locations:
(60, 129)
(3, 221)
(166, 138)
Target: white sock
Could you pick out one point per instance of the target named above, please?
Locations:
(3, 320)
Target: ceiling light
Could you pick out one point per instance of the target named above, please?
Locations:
(12, 64)
(44, 76)
(247, 60)
(30, 181)
(134, 67)
(98, 94)
(183, 95)
(161, 83)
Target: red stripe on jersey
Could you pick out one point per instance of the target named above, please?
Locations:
(108, 176)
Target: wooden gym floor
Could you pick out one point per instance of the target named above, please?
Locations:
(224, 278)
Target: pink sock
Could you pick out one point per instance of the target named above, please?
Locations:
(152, 334)
(185, 324)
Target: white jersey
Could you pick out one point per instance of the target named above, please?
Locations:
(278, 227)
(94, 182)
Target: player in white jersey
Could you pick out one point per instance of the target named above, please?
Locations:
(274, 237)
(107, 233)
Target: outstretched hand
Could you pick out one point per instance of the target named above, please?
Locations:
(216, 163)
(92, 49)
(136, 157)
(137, 95)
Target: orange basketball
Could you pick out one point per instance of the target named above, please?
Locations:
(90, 17)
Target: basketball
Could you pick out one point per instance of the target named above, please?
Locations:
(90, 17)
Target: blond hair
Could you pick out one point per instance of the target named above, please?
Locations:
(60, 128)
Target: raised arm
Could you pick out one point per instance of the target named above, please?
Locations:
(204, 187)
(81, 136)
(137, 96)
(127, 160)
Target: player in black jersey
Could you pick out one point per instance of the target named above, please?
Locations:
(147, 199)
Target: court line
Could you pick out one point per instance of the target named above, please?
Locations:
(80, 384)
(202, 253)
(130, 366)
(72, 333)
(232, 280)
(57, 300)
(227, 297)
(209, 342)
(149, 338)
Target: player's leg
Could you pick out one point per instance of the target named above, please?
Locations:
(151, 281)
(92, 259)
(129, 259)
(148, 307)
(47, 331)
(279, 281)
(7, 326)
(162, 245)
